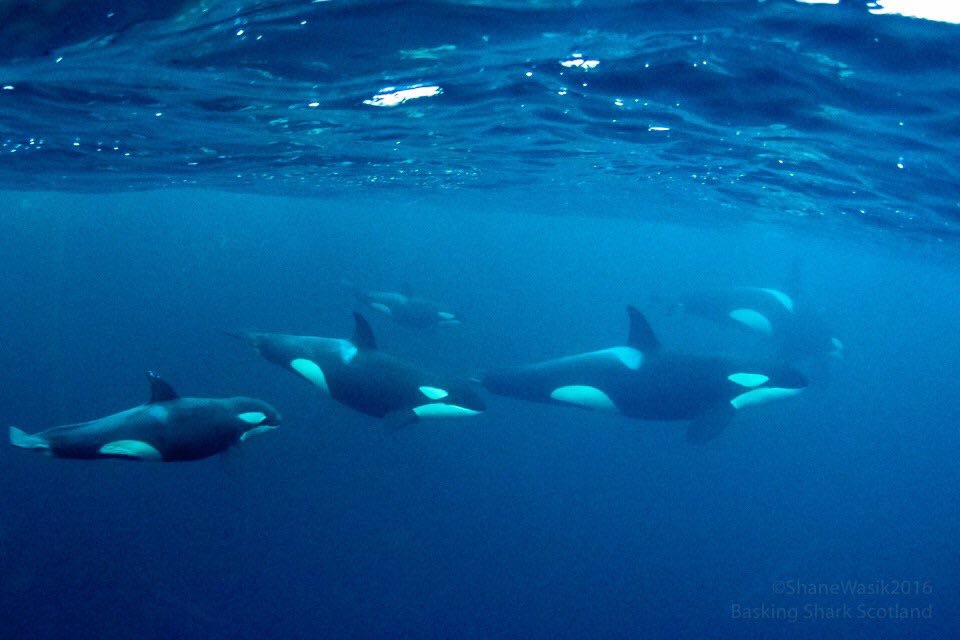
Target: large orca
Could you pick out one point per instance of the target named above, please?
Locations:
(167, 428)
(356, 373)
(407, 309)
(641, 380)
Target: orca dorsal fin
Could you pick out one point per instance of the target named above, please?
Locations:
(641, 336)
(160, 390)
(362, 333)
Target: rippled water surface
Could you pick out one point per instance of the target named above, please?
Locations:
(773, 110)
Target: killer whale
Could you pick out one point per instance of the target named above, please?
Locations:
(405, 308)
(167, 428)
(359, 375)
(779, 315)
(642, 380)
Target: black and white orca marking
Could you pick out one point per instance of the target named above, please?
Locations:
(168, 428)
(641, 380)
(356, 373)
(407, 309)
(796, 333)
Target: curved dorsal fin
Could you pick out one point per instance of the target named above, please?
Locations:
(160, 390)
(641, 336)
(362, 333)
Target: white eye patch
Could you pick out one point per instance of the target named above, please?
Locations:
(433, 392)
(747, 379)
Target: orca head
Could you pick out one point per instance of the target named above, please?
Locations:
(759, 383)
(252, 417)
(449, 400)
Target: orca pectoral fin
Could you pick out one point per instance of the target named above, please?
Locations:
(23, 440)
(709, 424)
(396, 420)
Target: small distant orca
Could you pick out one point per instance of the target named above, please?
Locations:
(356, 373)
(407, 309)
(797, 334)
(640, 380)
(167, 428)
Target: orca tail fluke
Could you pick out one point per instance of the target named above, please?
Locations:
(23, 440)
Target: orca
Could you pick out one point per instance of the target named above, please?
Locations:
(359, 375)
(643, 381)
(167, 428)
(405, 308)
(794, 332)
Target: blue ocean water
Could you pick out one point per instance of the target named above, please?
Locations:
(174, 170)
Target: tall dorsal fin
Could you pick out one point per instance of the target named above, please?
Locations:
(641, 335)
(406, 289)
(362, 333)
(160, 390)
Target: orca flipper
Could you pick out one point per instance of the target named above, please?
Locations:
(709, 424)
(23, 440)
(160, 390)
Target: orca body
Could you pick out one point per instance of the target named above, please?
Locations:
(640, 380)
(795, 333)
(406, 309)
(168, 428)
(359, 375)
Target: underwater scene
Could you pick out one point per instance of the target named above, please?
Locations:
(479, 319)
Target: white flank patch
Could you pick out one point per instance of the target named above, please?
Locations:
(584, 396)
(311, 371)
(782, 298)
(753, 319)
(441, 410)
(433, 393)
(131, 449)
(256, 430)
(748, 379)
(253, 417)
(382, 308)
(446, 315)
(762, 396)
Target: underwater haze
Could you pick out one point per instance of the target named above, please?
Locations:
(174, 171)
